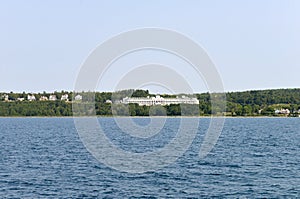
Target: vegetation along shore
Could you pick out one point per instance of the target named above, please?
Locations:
(258, 103)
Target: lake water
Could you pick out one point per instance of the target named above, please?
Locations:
(254, 157)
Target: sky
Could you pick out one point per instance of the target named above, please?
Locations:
(253, 44)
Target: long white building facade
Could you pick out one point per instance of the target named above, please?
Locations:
(158, 100)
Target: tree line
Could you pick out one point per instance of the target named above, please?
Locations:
(247, 103)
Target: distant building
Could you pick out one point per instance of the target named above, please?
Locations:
(6, 97)
(52, 98)
(43, 98)
(20, 99)
(286, 111)
(64, 97)
(78, 98)
(282, 111)
(31, 98)
(108, 101)
(158, 100)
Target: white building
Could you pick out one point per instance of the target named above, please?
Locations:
(283, 111)
(64, 97)
(5, 97)
(108, 101)
(52, 98)
(20, 99)
(43, 98)
(149, 101)
(31, 98)
(78, 98)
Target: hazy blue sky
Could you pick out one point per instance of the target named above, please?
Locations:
(254, 44)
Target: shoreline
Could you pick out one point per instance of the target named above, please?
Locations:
(99, 116)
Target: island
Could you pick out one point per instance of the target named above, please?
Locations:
(253, 103)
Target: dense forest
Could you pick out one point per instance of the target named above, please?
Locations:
(247, 103)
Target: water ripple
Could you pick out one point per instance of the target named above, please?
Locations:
(254, 158)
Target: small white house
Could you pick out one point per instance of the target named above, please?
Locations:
(31, 98)
(20, 99)
(5, 97)
(78, 98)
(43, 98)
(64, 97)
(108, 101)
(283, 111)
(52, 98)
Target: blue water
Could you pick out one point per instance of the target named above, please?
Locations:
(254, 157)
